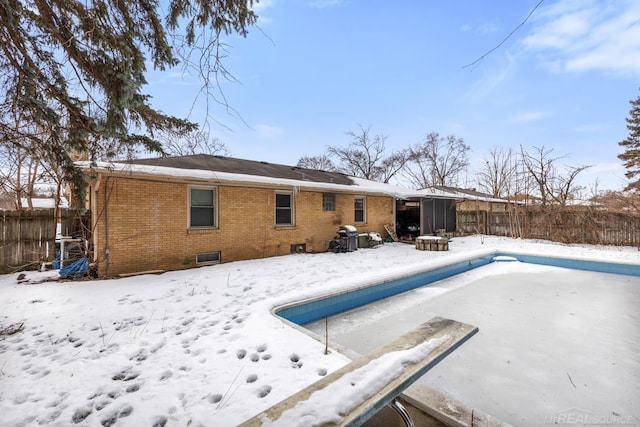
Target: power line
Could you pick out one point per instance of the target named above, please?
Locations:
(506, 38)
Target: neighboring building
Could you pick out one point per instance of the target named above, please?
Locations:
(473, 200)
(8, 203)
(478, 212)
(179, 212)
(45, 203)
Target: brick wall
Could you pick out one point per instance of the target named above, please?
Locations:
(145, 225)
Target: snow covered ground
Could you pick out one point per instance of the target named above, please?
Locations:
(195, 347)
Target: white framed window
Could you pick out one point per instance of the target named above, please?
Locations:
(328, 201)
(285, 213)
(359, 209)
(202, 207)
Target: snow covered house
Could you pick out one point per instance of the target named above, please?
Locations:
(180, 212)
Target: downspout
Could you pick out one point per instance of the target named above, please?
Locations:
(106, 225)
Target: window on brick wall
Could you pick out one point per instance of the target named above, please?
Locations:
(208, 257)
(202, 207)
(284, 208)
(360, 209)
(328, 201)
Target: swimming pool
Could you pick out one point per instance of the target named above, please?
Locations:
(554, 342)
(327, 305)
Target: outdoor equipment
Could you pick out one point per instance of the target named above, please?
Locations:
(346, 240)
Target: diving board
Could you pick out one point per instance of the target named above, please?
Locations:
(371, 382)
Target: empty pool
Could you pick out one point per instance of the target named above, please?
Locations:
(555, 344)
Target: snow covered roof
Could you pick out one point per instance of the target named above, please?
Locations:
(45, 202)
(220, 168)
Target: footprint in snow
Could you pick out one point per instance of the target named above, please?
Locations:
(159, 421)
(102, 404)
(264, 391)
(112, 418)
(126, 374)
(133, 388)
(157, 347)
(296, 363)
(62, 396)
(215, 398)
(139, 356)
(80, 414)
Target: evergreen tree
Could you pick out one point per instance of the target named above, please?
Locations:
(72, 72)
(631, 154)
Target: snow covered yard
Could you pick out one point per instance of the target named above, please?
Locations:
(195, 347)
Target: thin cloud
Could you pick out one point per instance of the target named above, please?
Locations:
(323, 4)
(484, 29)
(529, 116)
(492, 79)
(261, 8)
(487, 28)
(586, 35)
(262, 5)
(591, 127)
(268, 131)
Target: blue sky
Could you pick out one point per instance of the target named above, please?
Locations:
(315, 69)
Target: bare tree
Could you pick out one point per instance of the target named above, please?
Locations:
(393, 165)
(18, 172)
(552, 184)
(194, 142)
(541, 168)
(498, 172)
(19, 161)
(322, 162)
(565, 185)
(365, 157)
(438, 161)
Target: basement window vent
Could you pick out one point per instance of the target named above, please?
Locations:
(208, 257)
(299, 248)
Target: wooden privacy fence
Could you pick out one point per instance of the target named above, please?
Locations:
(566, 226)
(28, 238)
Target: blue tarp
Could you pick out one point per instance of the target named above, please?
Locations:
(76, 268)
(56, 261)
